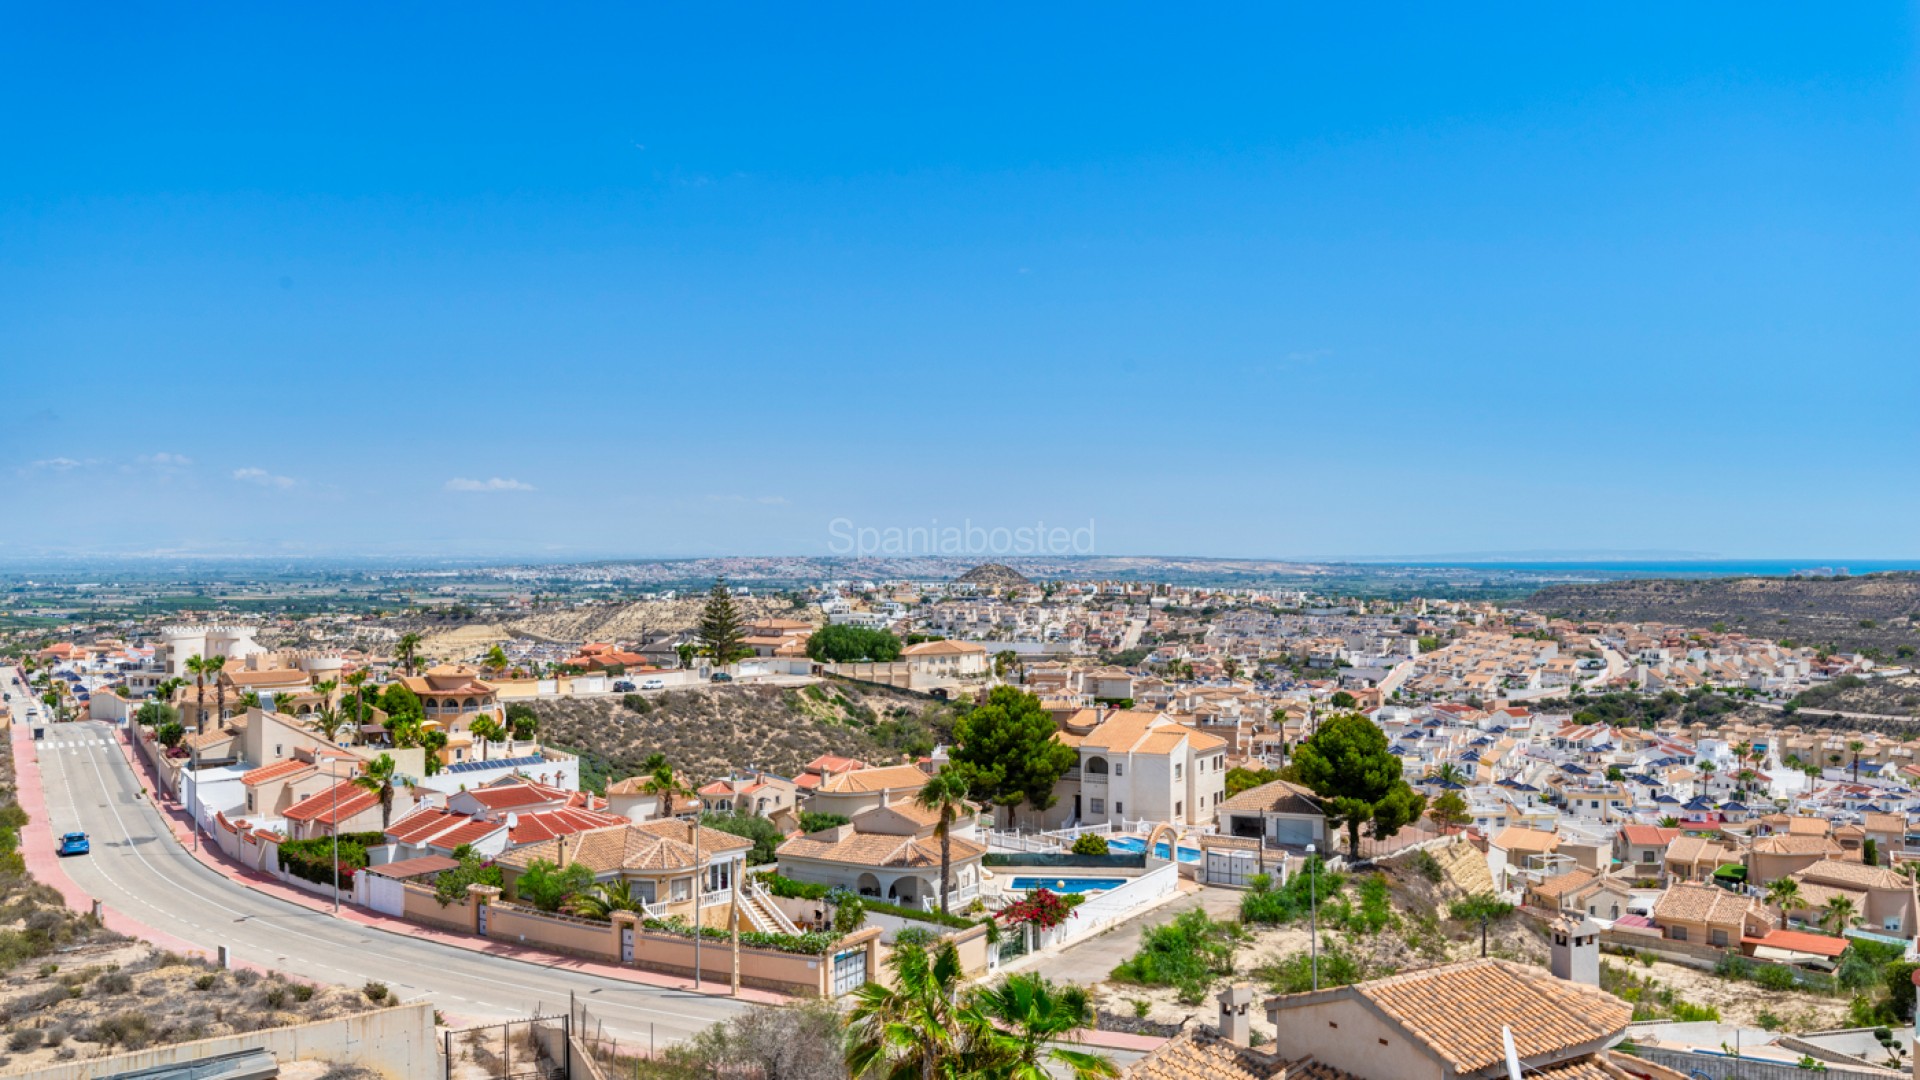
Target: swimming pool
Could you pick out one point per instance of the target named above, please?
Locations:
(1134, 845)
(1066, 885)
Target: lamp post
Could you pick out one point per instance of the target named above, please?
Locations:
(1313, 911)
(331, 775)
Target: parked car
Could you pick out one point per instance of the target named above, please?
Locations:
(653, 684)
(623, 687)
(721, 676)
(74, 843)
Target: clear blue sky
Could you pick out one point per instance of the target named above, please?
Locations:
(1265, 281)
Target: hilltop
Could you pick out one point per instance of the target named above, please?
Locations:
(1873, 611)
(994, 574)
(633, 621)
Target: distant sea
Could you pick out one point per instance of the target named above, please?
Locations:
(1686, 568)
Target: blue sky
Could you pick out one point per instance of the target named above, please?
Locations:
(1299, 281)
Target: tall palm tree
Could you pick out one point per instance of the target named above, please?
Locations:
(1018, 1025)
(912, 1030)
(214, 665)
(1838, 914)
(664, 784)
(1449, 773)
(379, 777)
(407, 650)
(197, 665)
(1784, 893)
(945, 793)
(357, 680)
(486, 730)
(1856, 746)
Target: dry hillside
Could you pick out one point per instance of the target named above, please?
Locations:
(705, 732)
(1879, 611)
(629, 622)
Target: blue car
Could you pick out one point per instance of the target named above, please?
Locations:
(74, 843)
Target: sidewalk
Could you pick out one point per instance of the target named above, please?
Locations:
(40, 849)
(210, 856)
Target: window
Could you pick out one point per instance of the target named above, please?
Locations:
(1176, 770)
(1119, 768)
(1179, 809)
(1118, 809)
(682, 888)
(1648, 856)
(1718, 937)
(1677, 933)
(1098, 806)
(249, 802)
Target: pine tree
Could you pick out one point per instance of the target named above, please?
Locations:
(721, 636)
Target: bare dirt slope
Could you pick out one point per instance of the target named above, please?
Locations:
(1871, 611)
(706, 732)
(629, 622)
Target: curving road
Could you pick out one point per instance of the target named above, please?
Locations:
(139, 869)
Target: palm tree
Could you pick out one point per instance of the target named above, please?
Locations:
(1838, 914)
(664, 784)
(197, 665)
(214, 664)
(1784, 893)
(913, 1029)
(1856, 746)
(356, 681)
(1449, 773)
(408, 648)
(945, 793)
(378, 777)
(486, 729)
(607, 897)
(1018, 1025)
(1669, 822)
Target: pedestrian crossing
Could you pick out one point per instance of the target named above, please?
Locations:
(72, 744)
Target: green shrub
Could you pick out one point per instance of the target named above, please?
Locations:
(1089, 844)
(206, 982)
(1774, 977)
(275, 996)
(815, 820)
(376, 992)
(302, 992)
(1339, 966)
(312, 860)
(637, 703)
(1263, 903)
(1688, 1013)
(1189, 954)
(23, 1040)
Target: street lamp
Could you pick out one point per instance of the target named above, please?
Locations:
(1313, 910)
(331, 775)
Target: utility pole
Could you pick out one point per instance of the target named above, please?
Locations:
(733, 923)
(1313, 907)
(699, 928)
(331, 775)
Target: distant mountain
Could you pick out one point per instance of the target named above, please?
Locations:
(1872, 611)
(993, 574)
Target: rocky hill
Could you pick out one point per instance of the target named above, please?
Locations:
(705, 732)
(995, 575)
(1873, 611)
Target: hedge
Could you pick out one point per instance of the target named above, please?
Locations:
(815, 943)
(807, 890)
(312, 860)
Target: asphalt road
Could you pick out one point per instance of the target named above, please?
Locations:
(137, 868)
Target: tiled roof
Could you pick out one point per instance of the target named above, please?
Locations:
(874, 849)
(275, 771)
(1518, 838)
(1700, 904)
(1194, 1055)
(655, 845)
(532, 828)
(863, 781)
(334, 805)
(1852, 875)
(1648, 835)
(1795, 845)
(1278, 797)
(1458, 1011)
(423, 825)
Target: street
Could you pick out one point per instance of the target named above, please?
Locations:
(138, 868)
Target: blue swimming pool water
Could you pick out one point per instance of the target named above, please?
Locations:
(1135, 845)
(1067, 885)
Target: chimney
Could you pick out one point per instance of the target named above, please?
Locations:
(1235, 1027)
(561, 843)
